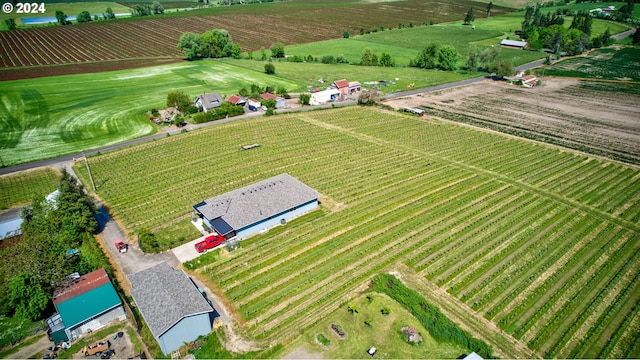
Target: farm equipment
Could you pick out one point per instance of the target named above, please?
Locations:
(96, 348)
(121, 246)
(209, 243)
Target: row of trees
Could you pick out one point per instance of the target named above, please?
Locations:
(214, 43)
(34, 265)
(154, 8)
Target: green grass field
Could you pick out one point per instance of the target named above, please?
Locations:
(48, 117)
(69, 8)
(609, 64)
(308, 74)
(384, 333)
(18, 189)
(405, 44)
(542, 242)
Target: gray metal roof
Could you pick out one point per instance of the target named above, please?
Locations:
(259, 201)
(165, 296)
(513, 43)
(211, 100)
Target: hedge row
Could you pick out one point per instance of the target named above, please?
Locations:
(439, 326)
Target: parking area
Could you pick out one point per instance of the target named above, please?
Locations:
(186, 252)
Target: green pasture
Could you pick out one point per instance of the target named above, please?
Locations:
(541, 241)
(384, 333)
(48, 117)
(608, 64)
(405, 44)
(18, 189)
(309, 74)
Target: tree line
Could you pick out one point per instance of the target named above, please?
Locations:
(439, 326)
(57, 240)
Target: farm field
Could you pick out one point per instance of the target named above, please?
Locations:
(597, 118)
(48, 117)
(613, 63)
(543, 242)
(252, 27)
(18, 189)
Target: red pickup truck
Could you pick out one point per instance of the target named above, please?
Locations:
(209, 243)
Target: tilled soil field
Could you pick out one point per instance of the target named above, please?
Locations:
(600, 118)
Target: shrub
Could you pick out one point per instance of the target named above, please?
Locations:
(304, 99)
(269, 69)
(323, 340)
(385, 311)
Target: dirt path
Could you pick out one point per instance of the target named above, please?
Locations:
(34, 349)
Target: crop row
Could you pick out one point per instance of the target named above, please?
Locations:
(515, 250)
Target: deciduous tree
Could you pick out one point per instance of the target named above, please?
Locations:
(179, 100)
(189, 43)
(277, 50)
(83, 17)
(469, 18)
(447, 58)
(109, 14)
(11, 23)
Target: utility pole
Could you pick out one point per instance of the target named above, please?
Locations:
(86, 161)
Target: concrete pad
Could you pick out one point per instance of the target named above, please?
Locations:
(186, 252)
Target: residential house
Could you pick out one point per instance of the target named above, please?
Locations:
(208, 102)
(279, 100)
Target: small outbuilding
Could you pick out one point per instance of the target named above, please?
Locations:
(84, 304)
(257, 207)
(172, 306)
(342, 86)
(236, 100)
(354, 87)
(208, 102)
(516, 44)
(325, 96)
(279, 100)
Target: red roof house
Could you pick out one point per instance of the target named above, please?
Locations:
(342, 86)
(236, 100)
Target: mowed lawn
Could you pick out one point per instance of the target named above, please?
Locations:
(541, 241)
(48, 117)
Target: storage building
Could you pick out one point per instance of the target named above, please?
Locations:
(84, 304)
(171, 304)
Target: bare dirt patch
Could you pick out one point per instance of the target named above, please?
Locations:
(302, 353)
(591, 117)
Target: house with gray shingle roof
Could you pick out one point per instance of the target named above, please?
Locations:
(257, 207)
(209, 101)
(173, 307)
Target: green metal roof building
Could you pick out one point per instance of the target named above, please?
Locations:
(84, 304)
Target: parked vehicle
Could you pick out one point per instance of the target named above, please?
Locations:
(209, 242)
(121, 246)
(96, 348)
